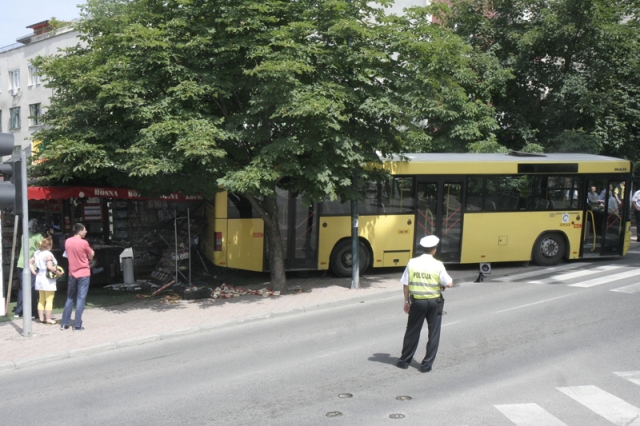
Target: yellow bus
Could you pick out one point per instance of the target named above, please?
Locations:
(483, 207)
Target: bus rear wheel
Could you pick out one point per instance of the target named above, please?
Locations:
(341, 261)
(549, 249)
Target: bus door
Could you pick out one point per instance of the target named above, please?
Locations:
(439, 212)
(605, 217)
(299, 231)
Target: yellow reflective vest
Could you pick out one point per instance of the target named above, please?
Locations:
(424, 283)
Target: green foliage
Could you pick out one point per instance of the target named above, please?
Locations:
(189, 95)
(194, 95)
(575, 71)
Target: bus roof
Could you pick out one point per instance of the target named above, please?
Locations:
(497, 163)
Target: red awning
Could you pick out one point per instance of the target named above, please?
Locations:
(64, 192)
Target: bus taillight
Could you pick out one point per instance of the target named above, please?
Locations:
(218, 244)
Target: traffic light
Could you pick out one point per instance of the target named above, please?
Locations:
(10, 192)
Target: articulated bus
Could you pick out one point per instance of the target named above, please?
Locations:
(483, 207)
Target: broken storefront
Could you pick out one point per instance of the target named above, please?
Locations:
(158, 230)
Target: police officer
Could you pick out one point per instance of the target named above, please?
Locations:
(424, 278)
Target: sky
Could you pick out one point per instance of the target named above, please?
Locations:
(16, 15)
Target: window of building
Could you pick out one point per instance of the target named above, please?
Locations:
(34, 77)
(35, 112)
(14, 121)
(14, 80)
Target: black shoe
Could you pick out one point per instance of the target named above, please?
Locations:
(64, 327)
(424, 369)
(403, 365)
(78, 328)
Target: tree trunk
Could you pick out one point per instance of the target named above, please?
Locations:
(268, 209)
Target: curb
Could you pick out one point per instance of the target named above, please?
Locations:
(137, 341)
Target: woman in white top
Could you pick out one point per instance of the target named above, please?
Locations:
(43, 261)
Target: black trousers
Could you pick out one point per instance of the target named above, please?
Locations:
(420, 311)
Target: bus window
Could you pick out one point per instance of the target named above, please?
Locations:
(556, 192)
(503, 193)
(240, 208)
(397, 196)
(474, 194)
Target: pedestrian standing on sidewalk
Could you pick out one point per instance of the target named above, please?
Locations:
(34, 239)
(79, 254)
(635, 203)
(43, 261)
(424, 279)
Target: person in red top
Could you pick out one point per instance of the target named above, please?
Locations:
(79, 254)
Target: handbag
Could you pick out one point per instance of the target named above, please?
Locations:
(52, 275)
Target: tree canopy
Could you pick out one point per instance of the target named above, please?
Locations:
(248, 95)
(575, 69)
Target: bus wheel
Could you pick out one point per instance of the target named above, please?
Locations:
(341, 261)
(548, 249)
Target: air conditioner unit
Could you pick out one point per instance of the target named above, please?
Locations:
(14, 91)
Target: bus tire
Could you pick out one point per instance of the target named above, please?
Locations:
(549, 249)
(341, 261)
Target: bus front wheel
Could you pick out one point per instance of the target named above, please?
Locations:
(548, 249)
(341, 261)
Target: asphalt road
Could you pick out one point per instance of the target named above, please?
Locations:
(525, 350)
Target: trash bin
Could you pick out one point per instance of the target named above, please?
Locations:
(126, 265)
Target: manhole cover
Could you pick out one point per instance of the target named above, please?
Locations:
(345, 395)
(333, 414)
(396, 416)
(403, 398)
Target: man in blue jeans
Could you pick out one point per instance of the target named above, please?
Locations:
(79, 254)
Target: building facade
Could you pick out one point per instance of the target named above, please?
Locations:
(23, 96)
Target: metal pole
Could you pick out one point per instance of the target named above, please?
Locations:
(355, 242)
(26, 272)
(16, 223)
(189, 236)
(175, 239)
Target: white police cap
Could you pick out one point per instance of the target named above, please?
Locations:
(429, 241)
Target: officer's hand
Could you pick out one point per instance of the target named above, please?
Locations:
(406, 308)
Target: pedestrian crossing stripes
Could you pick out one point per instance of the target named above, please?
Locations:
(529, 415)
(632, 376)
(577, 274)
(607, 279)
(629, 289)
(543, 271)
(604, 404)
(601, 402)
(569, 273)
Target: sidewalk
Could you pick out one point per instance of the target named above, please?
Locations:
(148, 320)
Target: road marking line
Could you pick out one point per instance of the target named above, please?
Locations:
(634, 251)
(571, 275)
(542, 271)
(632, 376)
(451, 323)
(609, 406)
(607, 280)
(630, 289)
(535, 303)
(529, 415)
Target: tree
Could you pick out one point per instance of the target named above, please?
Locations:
(195, 95)
(575, 67)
